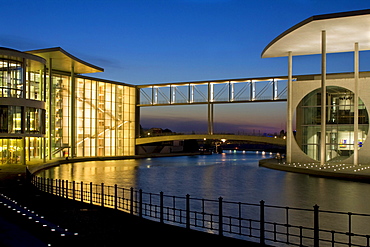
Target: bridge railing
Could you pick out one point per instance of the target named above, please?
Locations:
(220, 91)
(258, 222)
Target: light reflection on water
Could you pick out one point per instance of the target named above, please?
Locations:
(234, 176)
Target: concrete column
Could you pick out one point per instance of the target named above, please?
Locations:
(355, 102)
(173, 94)
(210, 118)
(50, 126)
(210, 110)
(232, 89)
(73, 115)
(323, 99)
(137, 113)
(24, 79)
(289, 124)
(252, 91)
(274, 89)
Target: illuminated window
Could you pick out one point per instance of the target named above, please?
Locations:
(339, 124)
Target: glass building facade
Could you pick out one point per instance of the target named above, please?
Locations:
(48, 109)
(22, 106)
(339, 124)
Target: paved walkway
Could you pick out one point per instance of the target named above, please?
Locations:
(94, 225)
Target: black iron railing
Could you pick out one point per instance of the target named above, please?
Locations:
(256, 222)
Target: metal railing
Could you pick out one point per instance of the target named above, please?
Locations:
(258, 222)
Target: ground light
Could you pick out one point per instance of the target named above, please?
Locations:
(33, 216)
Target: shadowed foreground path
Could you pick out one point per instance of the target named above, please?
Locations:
(96, 226)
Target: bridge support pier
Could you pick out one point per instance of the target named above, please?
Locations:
(210, 118)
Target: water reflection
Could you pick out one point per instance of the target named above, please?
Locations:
(235, 176)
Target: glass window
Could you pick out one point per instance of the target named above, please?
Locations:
(11, 78)
(10, 151)
(339, 120)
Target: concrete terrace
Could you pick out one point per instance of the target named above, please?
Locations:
(340, 170)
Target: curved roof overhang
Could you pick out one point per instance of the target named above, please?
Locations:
(64, 61)
(34, 62)
(343, 30)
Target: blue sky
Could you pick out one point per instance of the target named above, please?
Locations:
(153, 41)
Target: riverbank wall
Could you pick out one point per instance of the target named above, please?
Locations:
(38, 166)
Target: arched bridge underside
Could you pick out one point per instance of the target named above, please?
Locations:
(257, 139)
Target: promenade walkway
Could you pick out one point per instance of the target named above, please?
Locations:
(96, 226)
(337, 170)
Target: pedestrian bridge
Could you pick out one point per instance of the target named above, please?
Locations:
(258, 139)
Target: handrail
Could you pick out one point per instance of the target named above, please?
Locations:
(266, 224)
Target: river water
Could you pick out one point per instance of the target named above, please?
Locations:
(235, 176)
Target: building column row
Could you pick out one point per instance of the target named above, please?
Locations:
(290, 109)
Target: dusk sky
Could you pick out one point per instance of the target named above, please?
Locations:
(152, 41)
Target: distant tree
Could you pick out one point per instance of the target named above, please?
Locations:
(282, 133)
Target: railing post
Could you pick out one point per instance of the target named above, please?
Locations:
(55, 188)
(187, 211)
(115, 197)
(102, 194)
(73, 190)
(316, 239)
(91, 193)
(220, 218)
(67, 189)
(161, 206)
(82, 191)
(51, 186)
(59, 187)
(140, 203)
(262, 222)
(62, 194)
(55, 185)
(349, 233)
(132, 200)
(48, 185)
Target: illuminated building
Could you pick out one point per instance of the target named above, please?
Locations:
(335, 131)
(48, 109)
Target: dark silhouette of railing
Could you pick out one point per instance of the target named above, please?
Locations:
(256, 222)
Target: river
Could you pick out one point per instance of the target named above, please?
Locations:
(235, 176)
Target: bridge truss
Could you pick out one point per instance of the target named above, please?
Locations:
(219, 91)
(264, 89)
